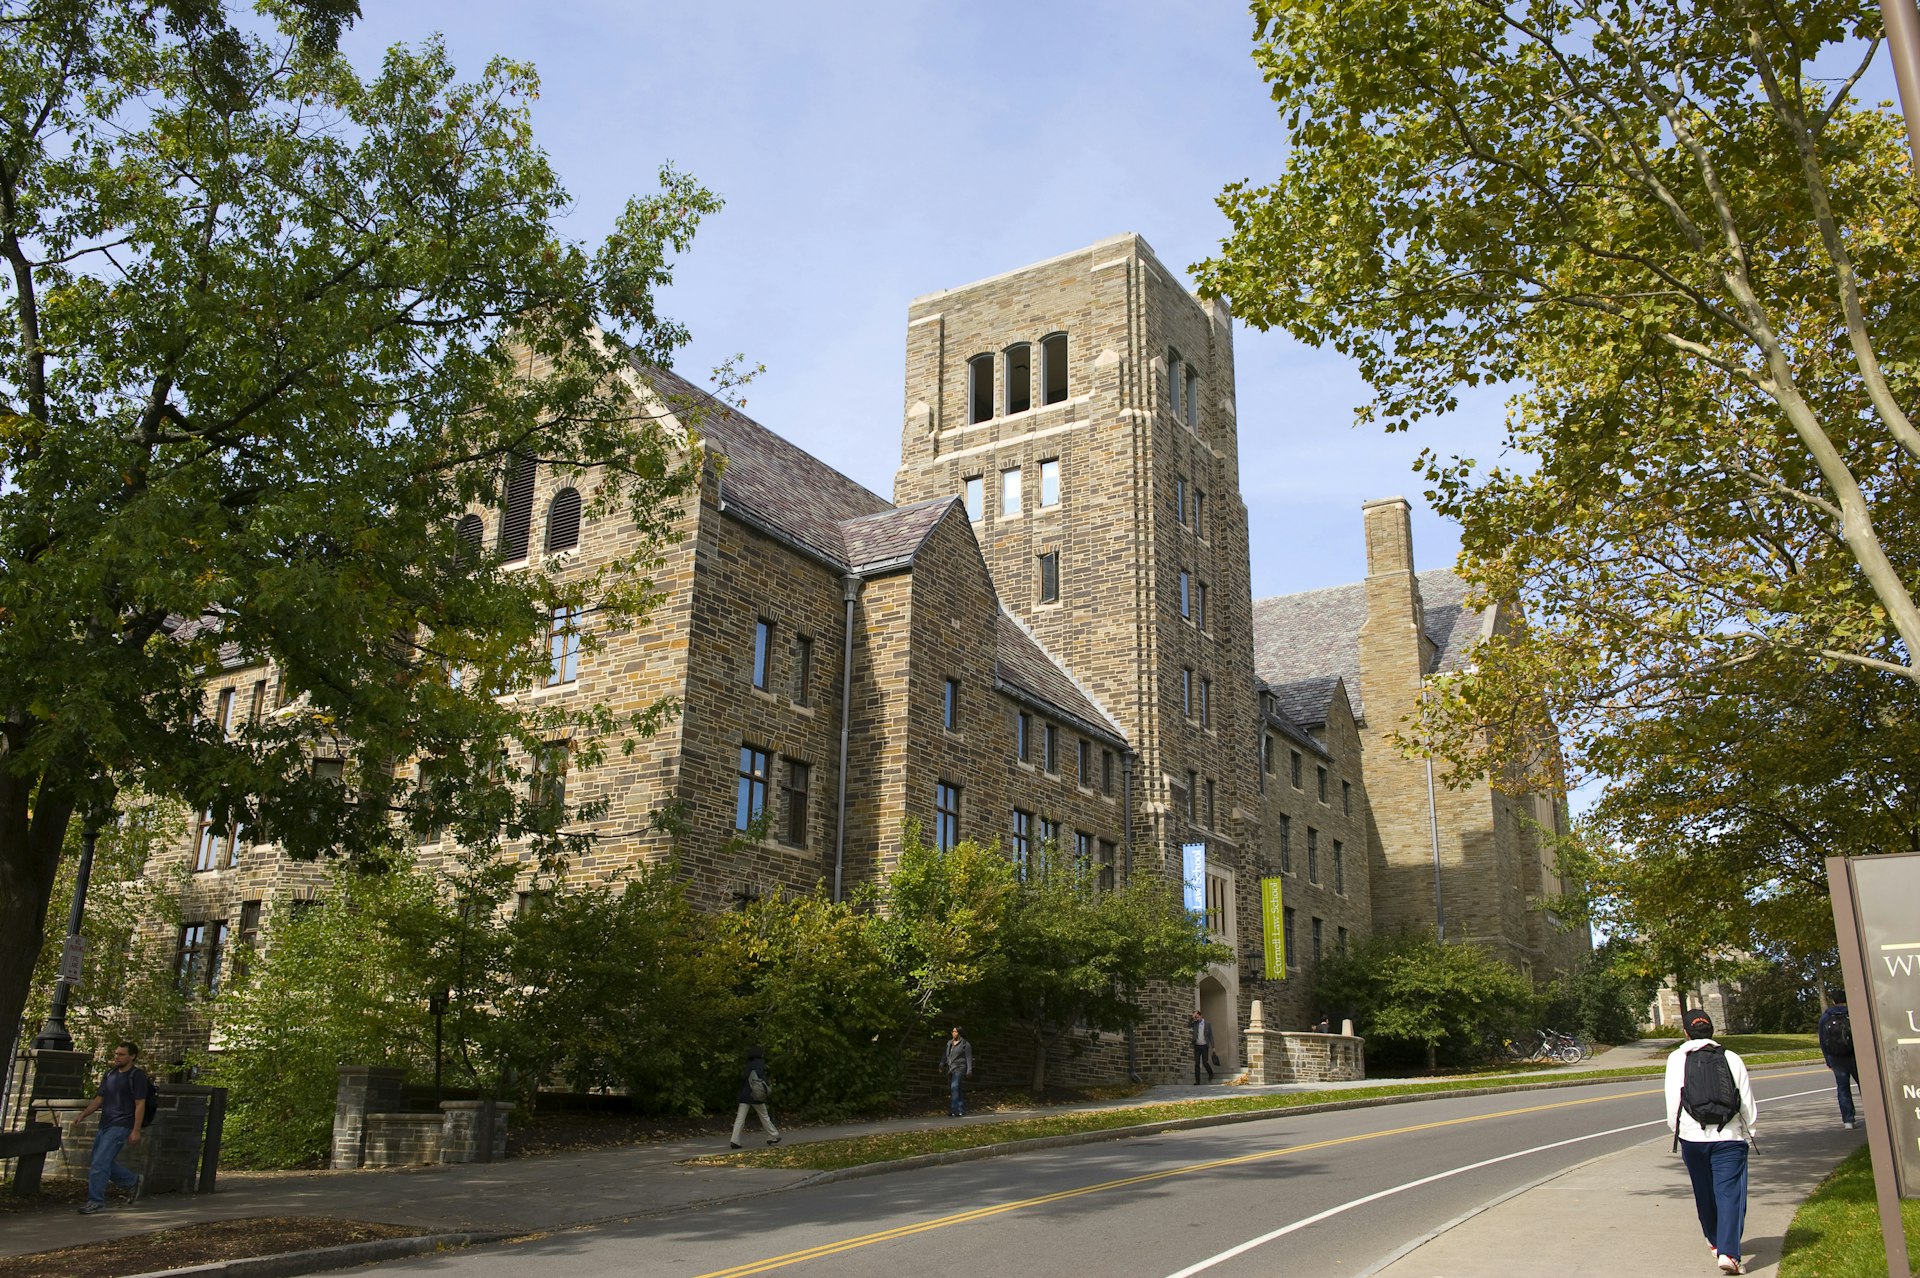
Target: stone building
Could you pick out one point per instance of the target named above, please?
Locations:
(1048, 633)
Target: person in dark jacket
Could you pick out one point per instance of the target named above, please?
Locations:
(756, 1070)
(123, 1097)
(1202, 1047)
(1839, 1055)
(957, 1060)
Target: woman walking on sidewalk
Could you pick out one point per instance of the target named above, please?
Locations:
(755, 1088)
(1711, 1112)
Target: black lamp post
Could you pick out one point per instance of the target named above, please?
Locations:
(53, 1035)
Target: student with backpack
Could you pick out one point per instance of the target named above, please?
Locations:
(125, 1101)
(1836, 1045)
(755, 1088)
(1711, 1112)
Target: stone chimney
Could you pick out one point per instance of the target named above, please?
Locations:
(1395, 652)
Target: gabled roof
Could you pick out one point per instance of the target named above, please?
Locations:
(779, 483)
(892, 537)
(1306, 701)
(1314, 636)
(1025, 668)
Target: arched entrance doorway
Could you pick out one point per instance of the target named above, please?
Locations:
(1219, 996)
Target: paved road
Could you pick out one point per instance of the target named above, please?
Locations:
(1332, 1193)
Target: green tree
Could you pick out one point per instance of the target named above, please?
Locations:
(1602, 999)
(268, 330)
(1409, 991)
(942, 920)
(1672, 230)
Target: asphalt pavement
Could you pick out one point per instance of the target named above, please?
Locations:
(1623, 1213)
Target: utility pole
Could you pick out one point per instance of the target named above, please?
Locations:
(53, 1035)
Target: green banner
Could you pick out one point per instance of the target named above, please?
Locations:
(1271, 923)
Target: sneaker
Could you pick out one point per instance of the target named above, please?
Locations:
(1729, 1265)
(773, 1140)
(1847, 1123)
(733, 1144)
(139, 1185)
(87, 1209)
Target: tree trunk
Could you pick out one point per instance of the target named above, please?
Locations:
(31, 836)
(1433, 1059)
(1040, 1045)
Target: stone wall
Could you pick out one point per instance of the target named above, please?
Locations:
(362, 1090)
(1281, 1056)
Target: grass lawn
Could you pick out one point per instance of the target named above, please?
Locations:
(830, 1155)
(1836, 1232)
(1745, 1043)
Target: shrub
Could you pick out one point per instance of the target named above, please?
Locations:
(1417, 996)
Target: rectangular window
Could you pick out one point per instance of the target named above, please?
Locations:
(1108, 857)
(1286, 936)
(1053, 368)
(1050, 483)
(950, 707)
(1175, 382)
(975, 488)
(1286, 844)
(547, 776)
(1086, 763)
(1010, 491)
(1022, 842)
(750, 796)
(563, 646)
(1050, 748)
(1186, 595)
(209, 843)
(1346, 798)
(246, 938)
(1207, 788)
(1216, 904)
(1206, 703)
(1106, 772)
(1082, 852)
(1180, 500)
(223, 713)
(1200, 605)
(1339, 867)
(1320, 783)
(1343, 940)
(1199, 513)
(946, 816)
(1313, 855)
(762, 653)
(197, 964)
(1293, 765)
(1023, 737)
(1193, 795)
(1049, 836)
(802, 670)
(1050, 577)
(1186, 691)
(799, 776)
(1266, 754)
(259, 706)
(1193, 398)
(1319, 932)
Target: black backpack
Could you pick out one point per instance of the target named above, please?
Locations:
(153, 1099)
(1839, 1035)
(1707, 1090)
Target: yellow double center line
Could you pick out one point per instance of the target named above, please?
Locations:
(982, 1213)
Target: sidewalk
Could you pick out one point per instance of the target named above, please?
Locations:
(555, 1191)
(1631, 1213)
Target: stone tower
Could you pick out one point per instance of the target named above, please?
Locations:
(1084, 407)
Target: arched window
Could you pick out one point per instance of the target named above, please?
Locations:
(469, 533)
(979, 389)
(1019, 378)
(516, 511)
(1053, 368)
(563, 520)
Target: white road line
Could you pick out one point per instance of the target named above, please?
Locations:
(1331, 1212)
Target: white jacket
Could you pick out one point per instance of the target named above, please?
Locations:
(1739, 1127)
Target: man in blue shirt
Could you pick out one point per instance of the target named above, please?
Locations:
(1836, 1047)
(122, 1100)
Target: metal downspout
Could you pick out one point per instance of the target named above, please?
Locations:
(849, 591)
(1126, 862)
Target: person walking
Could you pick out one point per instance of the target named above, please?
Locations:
(1202, 1047)
(122, 1099)
(755, 1087)
(1711, 1112)
(1836, 1047)
(957, 1059)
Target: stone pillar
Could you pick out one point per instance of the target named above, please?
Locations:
(363, 1090)
(56, 1075)
(460, 1130)
(169, 1152)
(1256, 1040)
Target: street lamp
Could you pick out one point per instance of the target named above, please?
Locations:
(53, 1035)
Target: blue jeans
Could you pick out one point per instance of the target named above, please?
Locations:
(956, 1103)
(1718, 1169)
(107, 1143)
(1844, 1077)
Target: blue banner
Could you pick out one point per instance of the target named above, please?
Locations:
(1193, 876)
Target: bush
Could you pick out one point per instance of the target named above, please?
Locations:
(1418, 997)
(1598, 1001)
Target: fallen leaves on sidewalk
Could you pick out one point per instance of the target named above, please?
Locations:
(197, 1245)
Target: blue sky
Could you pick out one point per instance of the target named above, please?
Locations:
(869, 153)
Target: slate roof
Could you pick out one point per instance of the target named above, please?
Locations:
(778, 483)
(891, 536)
(1302, 642)
(1306, 700)
(1021, 663)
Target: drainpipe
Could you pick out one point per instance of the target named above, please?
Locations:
(1126, 862)
(849, 591)
(1433, 823)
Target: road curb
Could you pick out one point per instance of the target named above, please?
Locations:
(917, 1161)
(318, 1259)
